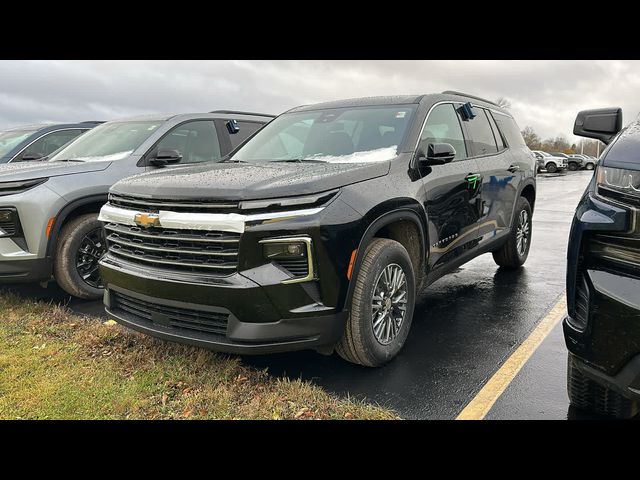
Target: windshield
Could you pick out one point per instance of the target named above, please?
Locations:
(336, 135)
(9, 139)
(109, 141)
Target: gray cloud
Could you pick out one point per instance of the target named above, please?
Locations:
(544, 94)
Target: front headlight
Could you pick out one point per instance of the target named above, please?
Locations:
(11, 188)
(619, 184)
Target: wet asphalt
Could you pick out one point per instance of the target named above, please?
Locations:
(465, 326)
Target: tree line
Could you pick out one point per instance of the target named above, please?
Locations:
(560, 143)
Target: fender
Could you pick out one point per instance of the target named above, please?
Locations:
(62, 216)
(387, 218)
(529, 181)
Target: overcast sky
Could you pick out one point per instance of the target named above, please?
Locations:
(543, 94)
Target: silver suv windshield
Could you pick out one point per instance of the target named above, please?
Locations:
(10, 138)
(109, 141)
(335, 135)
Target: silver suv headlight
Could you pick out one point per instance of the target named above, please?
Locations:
(11, 188)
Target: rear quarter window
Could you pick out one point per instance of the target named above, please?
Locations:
(509, 129)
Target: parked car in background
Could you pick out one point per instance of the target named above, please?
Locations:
(49, 210)
(590, 162)
(548, 162)
(573, 163)
(318, 232)
(36, 142)
(602, 329)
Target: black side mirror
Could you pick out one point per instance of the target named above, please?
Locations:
(437, 154)
(31, 156)
(165, 157)
(602, 123)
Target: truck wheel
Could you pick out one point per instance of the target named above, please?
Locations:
(551, 167)
(590, 396)
(514, 252)
(589, 166)
(573, 166)
(81, 244)
(382, 305)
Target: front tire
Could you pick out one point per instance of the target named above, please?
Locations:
(587, 395)
(573, 166)
(589, 166)
(551, 167)
(515, 251)
(81, 244)
(382, 305)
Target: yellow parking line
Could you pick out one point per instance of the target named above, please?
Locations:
(484, 400)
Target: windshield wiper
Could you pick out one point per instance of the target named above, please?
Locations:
(69, 160)
(228, 160)
(300, 160)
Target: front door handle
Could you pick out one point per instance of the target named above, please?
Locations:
(513, 168)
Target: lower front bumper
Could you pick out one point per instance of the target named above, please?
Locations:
(24, 271)
(626, 382)
(286, 334)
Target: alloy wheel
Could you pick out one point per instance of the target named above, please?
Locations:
(523, 232)
(92, 247)
(389, 303)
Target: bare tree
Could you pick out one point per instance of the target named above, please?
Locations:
(503, 102)
(531, 138)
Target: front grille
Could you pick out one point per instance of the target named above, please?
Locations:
(214, 253)
(154, 205)
(619, 252)
(298, 267)
(8, 227)
(209, 322)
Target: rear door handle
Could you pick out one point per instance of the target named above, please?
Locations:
(513, 168)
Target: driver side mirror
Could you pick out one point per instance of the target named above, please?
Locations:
(162, 158)
(437, 154)
(602, 124)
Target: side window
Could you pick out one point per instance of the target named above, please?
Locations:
(48, 144)
(496, 132)
(510, 130)
(482, 139)
(196, 141)
(443, 126)
(246, 130)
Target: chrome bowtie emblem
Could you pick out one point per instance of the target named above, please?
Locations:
(147, 220)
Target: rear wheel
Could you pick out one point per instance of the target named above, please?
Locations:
(590, 396)
(515, 251)
(551, 167)
(589, 166)
(382, 305)
(80, 247)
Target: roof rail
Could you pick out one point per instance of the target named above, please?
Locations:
(93, 121)
(453, 92)
(237, 112)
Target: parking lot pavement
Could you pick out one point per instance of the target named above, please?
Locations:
(465, 326)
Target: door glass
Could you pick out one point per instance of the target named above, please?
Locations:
(443, 126)
(246, 130)
(196, 141)
(496, 133)
(49, 143)
(482, 137)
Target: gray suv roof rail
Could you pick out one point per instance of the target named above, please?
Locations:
(93, 121)
(237, 112)
(460, 94)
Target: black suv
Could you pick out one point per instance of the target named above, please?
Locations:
(602, 330)
(317, 231)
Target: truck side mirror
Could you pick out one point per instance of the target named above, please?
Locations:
(602, 124)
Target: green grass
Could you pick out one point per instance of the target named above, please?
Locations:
(56, 365)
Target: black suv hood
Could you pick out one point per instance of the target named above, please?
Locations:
(240, 181)
(11, 172)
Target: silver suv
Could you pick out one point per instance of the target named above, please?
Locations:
(49, 210)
